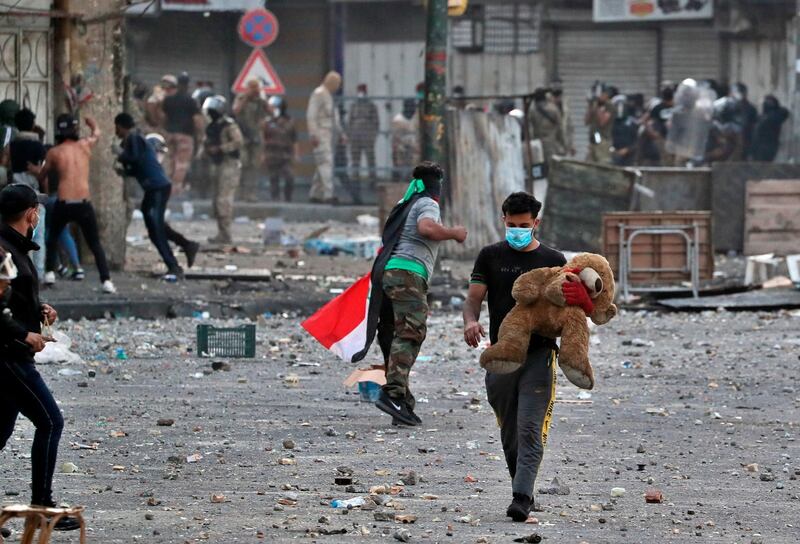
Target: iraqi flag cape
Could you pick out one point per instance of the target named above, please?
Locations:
(347, 324)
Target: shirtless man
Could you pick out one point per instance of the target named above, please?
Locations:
(69, 160)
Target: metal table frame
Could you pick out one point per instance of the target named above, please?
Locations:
(628, 233)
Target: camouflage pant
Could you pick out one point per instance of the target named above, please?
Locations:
(600, 153)
(226, 176)
(402, 329)
(251, 171)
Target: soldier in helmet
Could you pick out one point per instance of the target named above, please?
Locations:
(223, 147)
(280, 148)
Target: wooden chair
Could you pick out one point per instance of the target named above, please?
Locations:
(43, 519)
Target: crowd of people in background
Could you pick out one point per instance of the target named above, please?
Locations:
(693, 123)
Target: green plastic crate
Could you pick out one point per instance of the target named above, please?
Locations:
(226, 341)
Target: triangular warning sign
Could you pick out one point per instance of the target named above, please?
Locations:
(258, 67)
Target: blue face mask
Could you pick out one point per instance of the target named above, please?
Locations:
(519, 238)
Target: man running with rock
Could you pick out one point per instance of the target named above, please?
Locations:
(398, 308)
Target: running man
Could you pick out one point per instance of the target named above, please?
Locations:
(522, 400)
(140, 161)
(411, 240)
(23, 390)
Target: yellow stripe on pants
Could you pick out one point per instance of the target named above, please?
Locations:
(548, 416)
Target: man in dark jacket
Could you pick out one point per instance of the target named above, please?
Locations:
(767, 134)
(23, 389)
(140, 161)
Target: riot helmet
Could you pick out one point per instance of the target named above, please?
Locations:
(277, 105)
(214, 106)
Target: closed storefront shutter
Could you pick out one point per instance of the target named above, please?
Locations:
(177, 42)
(625, 59)
(690, 52)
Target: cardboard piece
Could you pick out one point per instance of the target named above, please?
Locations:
(376, 373)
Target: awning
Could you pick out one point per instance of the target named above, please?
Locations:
(155, 7)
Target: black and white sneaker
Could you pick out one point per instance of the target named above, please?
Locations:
(397, 423)
(396, 408)
(414, 416)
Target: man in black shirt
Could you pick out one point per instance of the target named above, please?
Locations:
(522, 400)
(183, 123)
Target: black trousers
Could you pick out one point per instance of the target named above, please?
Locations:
(23, 391)
(81, 213)
(154, 206)
(523, 403)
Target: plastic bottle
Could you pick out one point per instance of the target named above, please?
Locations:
(347, 503)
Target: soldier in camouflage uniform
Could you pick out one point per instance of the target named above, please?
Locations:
(404, 313)
(250, 111)
(280, 147)
(223, 146)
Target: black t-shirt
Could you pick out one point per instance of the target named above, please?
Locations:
(498, 266)
(180, 110)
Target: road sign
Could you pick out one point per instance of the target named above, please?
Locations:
(258, 67)
(258, 27)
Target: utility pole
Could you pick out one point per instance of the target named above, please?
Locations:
(795, 79)
(96, 51)
(435, 82)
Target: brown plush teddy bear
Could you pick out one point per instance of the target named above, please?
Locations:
(542, 296)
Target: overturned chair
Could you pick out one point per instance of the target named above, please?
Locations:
(42, 519)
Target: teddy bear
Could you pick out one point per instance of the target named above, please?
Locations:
(542, 297)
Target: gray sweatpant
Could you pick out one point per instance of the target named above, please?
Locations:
(523, 404)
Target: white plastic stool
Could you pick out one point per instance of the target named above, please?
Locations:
(760, 268)
(793, 264)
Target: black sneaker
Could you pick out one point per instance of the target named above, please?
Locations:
(414, 415)
(67, 523)
(395, 408)
(397, 423)
(519, 508)
(173, 276)
(191, 253)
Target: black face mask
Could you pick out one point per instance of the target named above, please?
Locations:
(30, 233)
(434, 188)
(4, 298)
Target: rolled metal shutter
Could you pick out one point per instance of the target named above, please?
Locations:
(177, 42)
(625, 59)
(690, 52)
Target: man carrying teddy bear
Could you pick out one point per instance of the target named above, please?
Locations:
(521, 400)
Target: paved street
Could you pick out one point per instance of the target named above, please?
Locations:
(683, 403)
